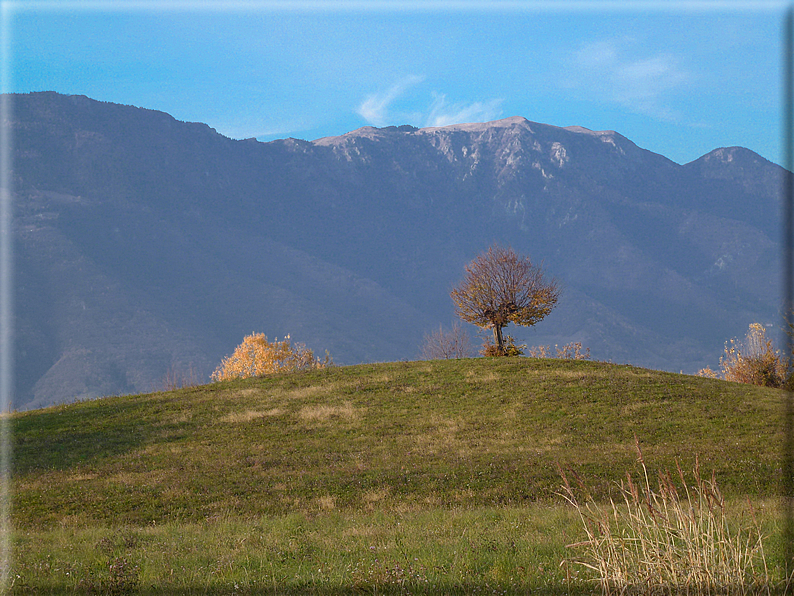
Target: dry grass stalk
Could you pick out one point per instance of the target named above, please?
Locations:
(665, 542)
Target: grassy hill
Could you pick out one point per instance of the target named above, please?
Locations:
(416, 440)
(405, 435)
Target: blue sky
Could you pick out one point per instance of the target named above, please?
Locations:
(679, 79)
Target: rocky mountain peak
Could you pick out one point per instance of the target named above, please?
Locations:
(731, 155)
(755, 174)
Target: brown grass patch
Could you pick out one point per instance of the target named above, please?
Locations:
(474, 376)
(327, 502)
(178, 418)
(83, 477)
(441, 437)
(323, 413)
(544, 444)
(571, 374)
(249, 415)
(232, 394)
(633, 407)
(74, 520)
(150, 478)
(374, 496)
(312, 391)
(243, 392)
(510, 413)
(405, 507)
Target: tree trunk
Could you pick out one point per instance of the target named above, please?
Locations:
(497, 336)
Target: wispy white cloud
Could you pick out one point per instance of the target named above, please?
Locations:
(375, 108)
(379, 109)
(443, 112)
(646, 85)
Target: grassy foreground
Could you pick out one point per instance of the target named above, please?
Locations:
(434, 477)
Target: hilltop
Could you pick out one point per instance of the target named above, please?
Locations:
(408, 436)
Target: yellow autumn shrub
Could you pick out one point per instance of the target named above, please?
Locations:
(257, 357)
(754, 361)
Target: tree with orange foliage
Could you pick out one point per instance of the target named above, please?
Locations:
(501, 287)
(257, 357)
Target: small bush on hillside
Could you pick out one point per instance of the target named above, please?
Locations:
(257, 357)
(490, 349)
(443, 345)
(571, 351)
(754, 361)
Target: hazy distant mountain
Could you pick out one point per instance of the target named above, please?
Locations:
(144, 243)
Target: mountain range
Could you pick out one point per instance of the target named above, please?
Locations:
(145, 245)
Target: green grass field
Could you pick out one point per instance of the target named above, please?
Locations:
(416, 477)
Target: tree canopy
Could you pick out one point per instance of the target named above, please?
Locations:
(501, 287)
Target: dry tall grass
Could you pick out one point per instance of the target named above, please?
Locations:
(665, 542)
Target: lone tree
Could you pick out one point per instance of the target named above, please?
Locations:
(502, 287)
